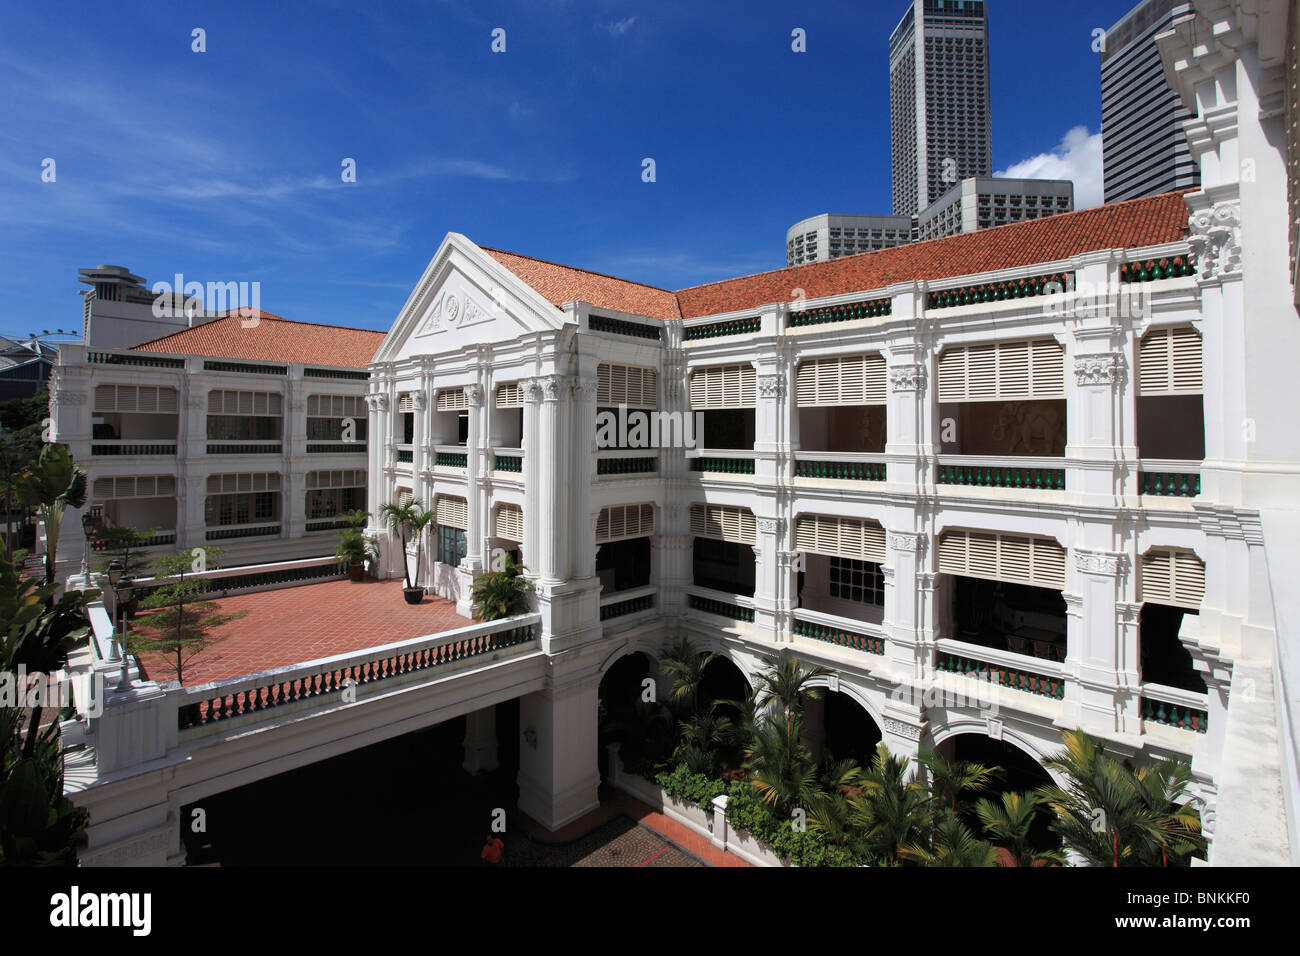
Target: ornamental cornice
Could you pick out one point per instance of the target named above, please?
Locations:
(1107, 564)
(899, 541)
(769, 525)
(900, 728)
(907, 378)
(1215, 239)
(1102, 368)
(474, 395)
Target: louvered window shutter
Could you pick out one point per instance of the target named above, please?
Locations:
(624, 522)
(452, 512)
(847, 380)
(722, 523)
(1039, 562)
(630, 385)
(724, 386)
(404, 497)
(406, 402)
(1002, 371)
(840, 537)
(1175, 578)
(452, 400)
(1170, 362)
(510, 396)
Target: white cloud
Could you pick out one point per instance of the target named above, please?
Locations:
(619, 27)
(1077, 157)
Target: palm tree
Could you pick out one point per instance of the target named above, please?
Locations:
(950, 779)
(783, 771)
(1008, 824)
(51, 485)
(1113, 815)
(356, 519)
(952, 844)
(408, 522)
(786, 681)
(686, 666)
(890, 811)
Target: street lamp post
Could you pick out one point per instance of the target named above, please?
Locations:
(119, 610)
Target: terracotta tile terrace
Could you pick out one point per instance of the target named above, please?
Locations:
(297, 624)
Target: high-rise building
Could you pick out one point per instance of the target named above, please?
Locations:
(1144, 151)
(940, 126)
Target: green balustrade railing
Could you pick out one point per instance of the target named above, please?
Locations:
(626, 466)
(840, 637)
(718, 329)
(1001, 291)
(446, 459)
(630, 606)
(145, 361)
(603, 323)
(1153, 269)
(1172, 715)
(406, 455)
(842, 313)
(132, 449)
(721, 608)
(1016, 679)
(724, 466)
(243, 368)
(1171, 485)
(338, 448)
(511, 463)
(982, 476)
(269, 449)
(844, 470)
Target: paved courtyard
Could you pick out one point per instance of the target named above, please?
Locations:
(292, 625)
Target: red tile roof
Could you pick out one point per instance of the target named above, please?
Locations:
(1149, 221)
(560, 284)
(272, 339)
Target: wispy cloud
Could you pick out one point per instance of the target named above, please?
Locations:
(617, 28)
(1077, 158)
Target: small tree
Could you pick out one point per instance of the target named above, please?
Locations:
(182, 620)
(408, 522)
(125, 545)
(504, 593)
(51, 485)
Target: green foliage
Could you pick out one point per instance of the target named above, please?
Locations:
(181, 622)
(125, 545)
(698, 788)
(51, 485)
(808, 847)
(356, 547)
(686, 666)
(356, 518)
(501, 594)
(1006, 825)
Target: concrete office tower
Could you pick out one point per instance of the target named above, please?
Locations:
(940, 126)
(1144, 150)
(830, 236)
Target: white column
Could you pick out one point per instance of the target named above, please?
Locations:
(481, 741)
(558, 769)
(553, 440)
(1095, 673)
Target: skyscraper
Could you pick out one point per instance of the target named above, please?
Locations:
(1144, 151)
(940, 126)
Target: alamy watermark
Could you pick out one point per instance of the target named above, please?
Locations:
(197, 299)
(39, 689)
(636, 428)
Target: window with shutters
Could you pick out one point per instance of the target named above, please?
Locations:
(326, 415)
(724, 386)
(841, 404)
(245, 416)
(452, 517)
(629, 385)
(144, 486)
(453, 512)
(141, 413)
(139, 399)
(510, 522)
(507, 415)
(723, 523)
(1002, 371)
(840, 537)
(720, 558)
(861, 582)
(1173, 577)
(242, 499)
(1164, 659)
(1039, 562)
(1170, 406)
(332, 493)
(621, 522)
(510, 395)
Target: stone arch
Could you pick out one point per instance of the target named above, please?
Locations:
(1010, 737)
(844, 734)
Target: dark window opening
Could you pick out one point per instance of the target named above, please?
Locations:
(1165, 659)
(1010, 617)
(723, 566)
(623, 565)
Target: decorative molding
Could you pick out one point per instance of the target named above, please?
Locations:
(474, 395)
(450, 312)
(420, 400)
(902, 729)
(768, 525)
(554, 387)
(907, 542)
(196, 402)
(907, 378)
(993, 728)
(1103, 368)
(1215, 239)
(771, 386)
(532, 389)
(1108, 564)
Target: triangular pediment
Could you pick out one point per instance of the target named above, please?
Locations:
(464, 299)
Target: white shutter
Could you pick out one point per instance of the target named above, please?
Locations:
(510, 522)
(624, 522)
(510, 396)
(840, 537)
(1169, 362)
(144, 486)
(452, 400)
(1002, 371)
(452, 512)
(404, 497)
(134, 398)
(225, 402)
(230, 484)
(630, 385)
(406, 402)
(724, 386)
(1176, 578)
(847, 380)
(723, 523)
(336, 406)
(1000, 557)
(347, 478)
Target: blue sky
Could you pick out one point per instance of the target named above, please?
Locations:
(225, 165)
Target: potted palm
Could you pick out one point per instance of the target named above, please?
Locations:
(355, 548)
(503, 593)
(408, 522)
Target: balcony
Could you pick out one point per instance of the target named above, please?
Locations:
(840, 631)
(1174, 707)
(405, 454)
(337, 448)
(1169, 479)
(244, 448)
(635, 461)
(623, 603)
(1040, 474)
(508, 460)
(259, 529)
(451, 458)
(839, 466)
(721, 463)
(733, 607)
(1032, 675)
(119, 446)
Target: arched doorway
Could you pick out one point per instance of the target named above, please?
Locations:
(1020, 773)
(849, 731)
(642, 728)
